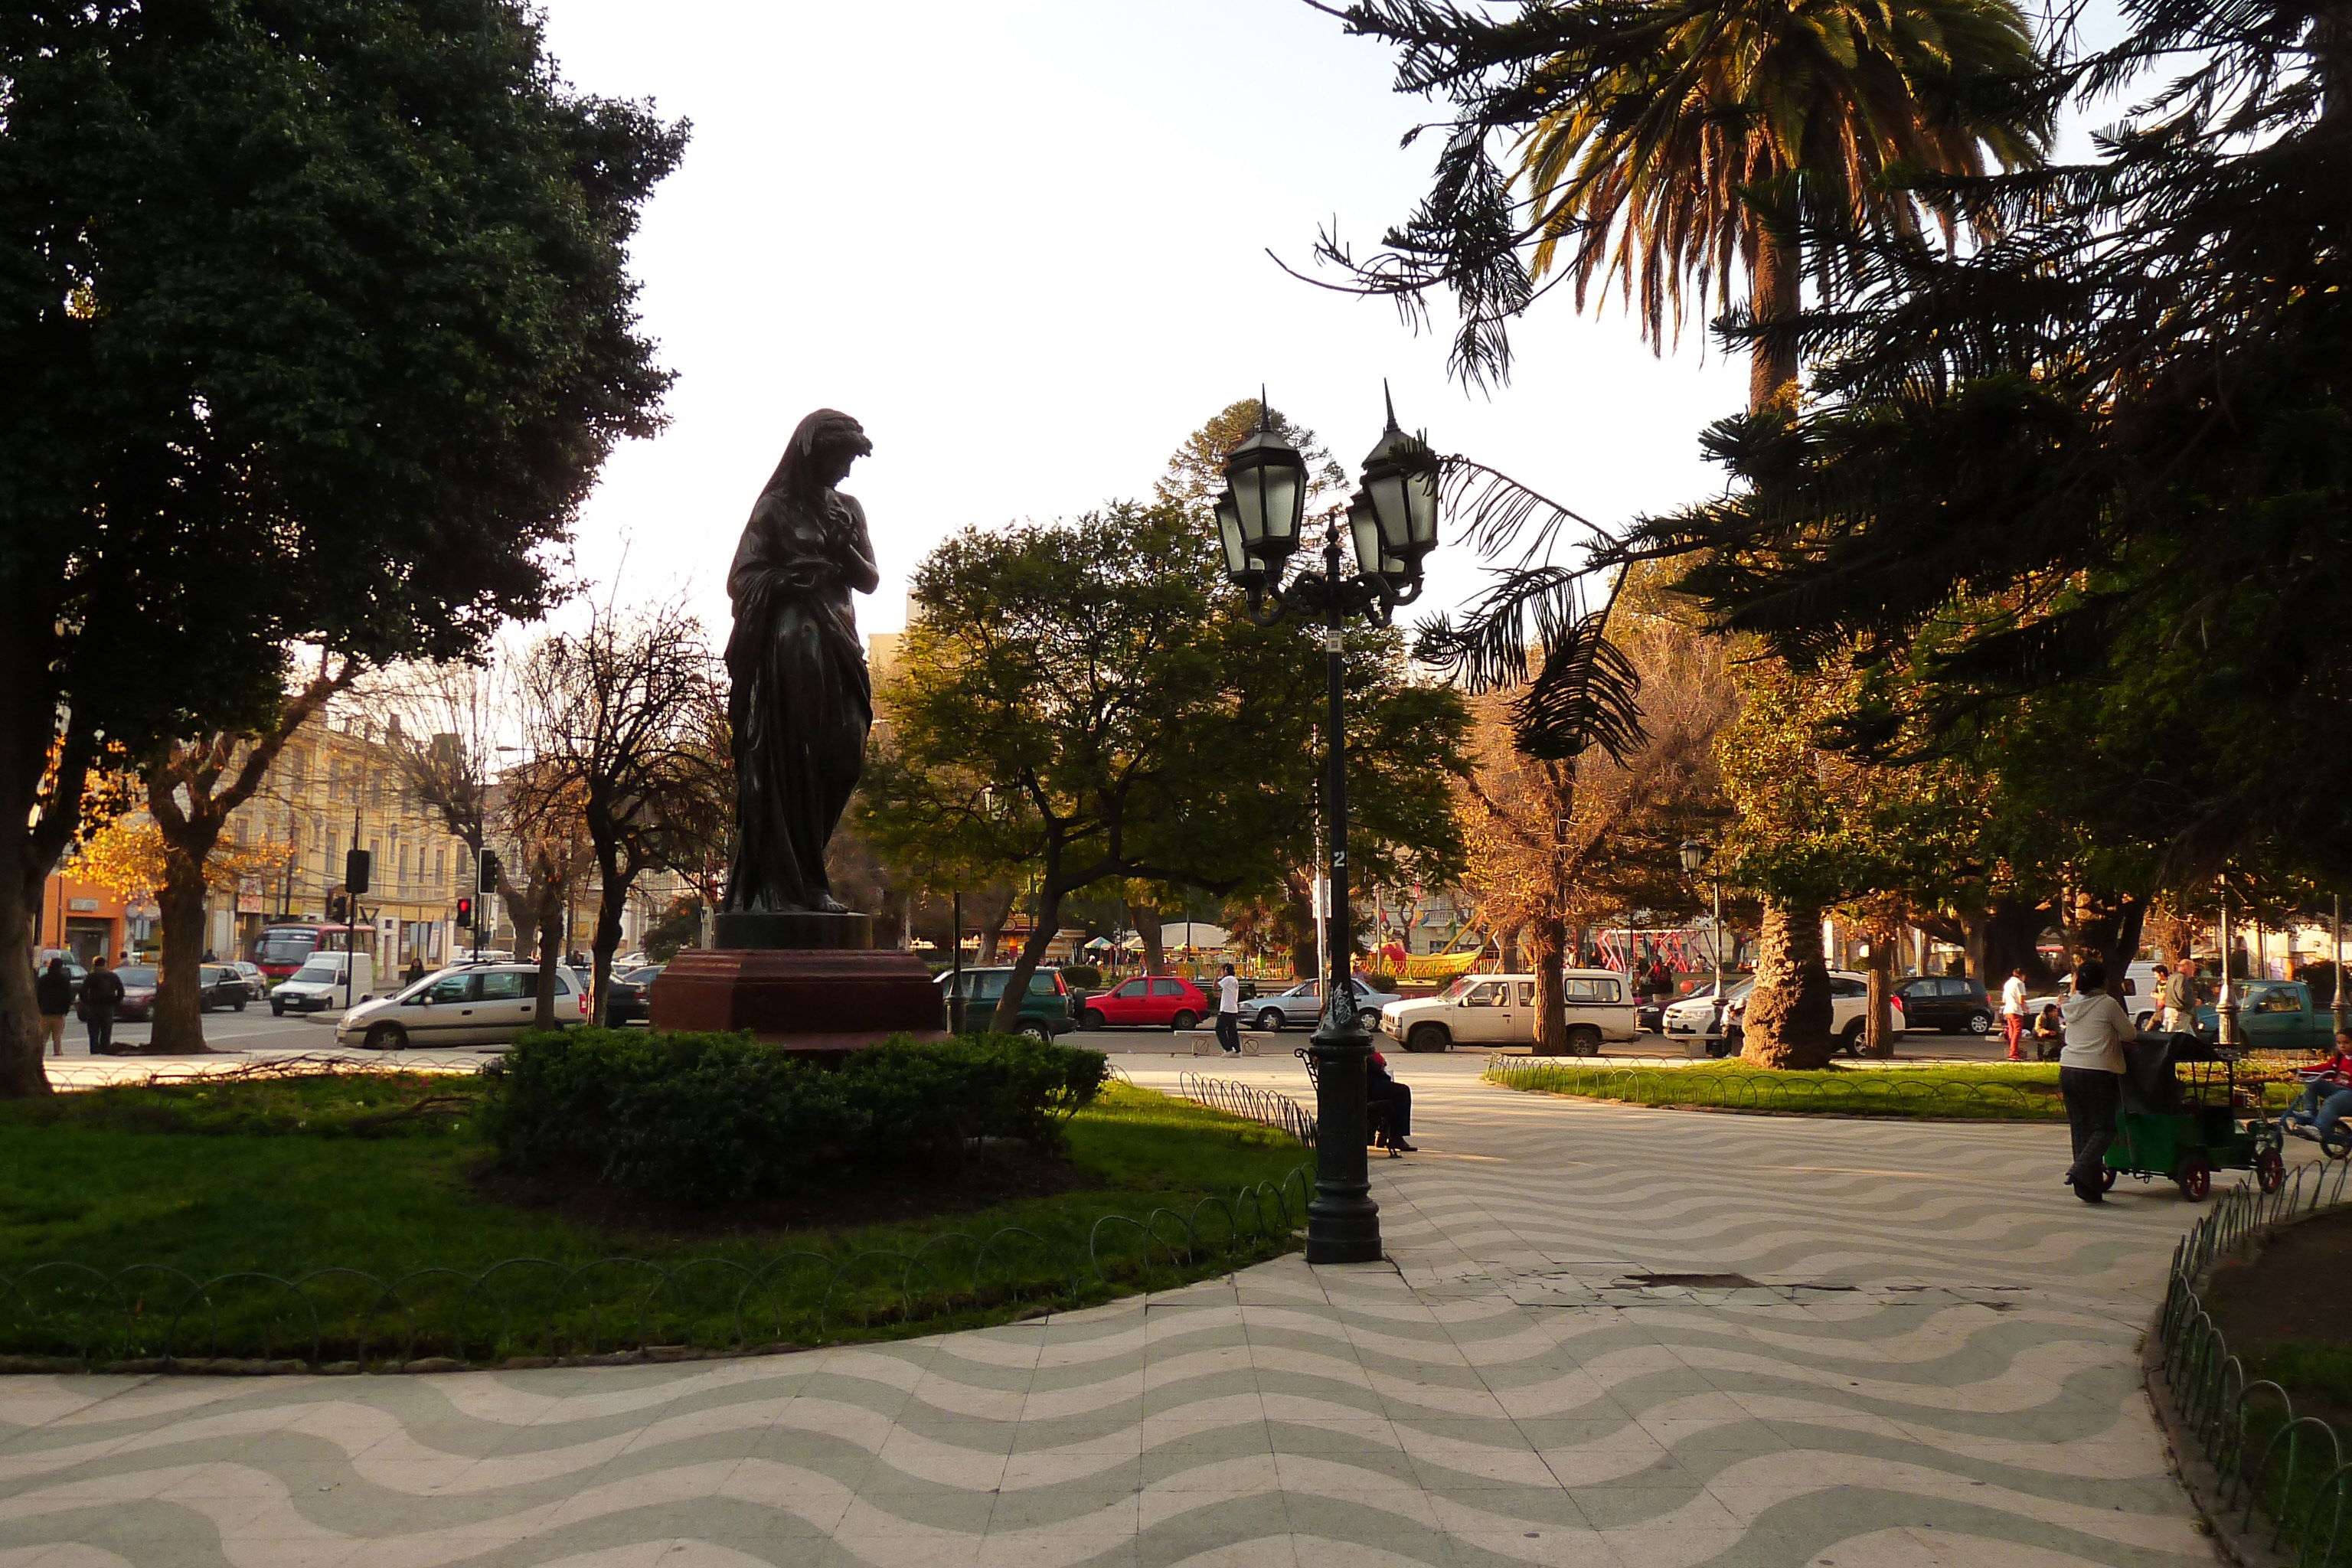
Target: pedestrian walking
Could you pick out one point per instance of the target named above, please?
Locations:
(52, 993)
(2177, 995)
(1229, 1013)
(2012, 1013)
(2091, 1076)
(100, 994)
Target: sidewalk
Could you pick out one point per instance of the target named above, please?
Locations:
(1607, 1337)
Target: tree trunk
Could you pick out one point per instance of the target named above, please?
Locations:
(1545, 939)
(1032, 951)
(1302, 944)
(1787, 1023)
(21, 1073)
(2106, 926)
(991, 929)
(1146, 922)
(2006, 937)
(1879, 1032)
(612, 900)
(551, 948)
(1511, 945)
(179, 1028)
(1775, 294)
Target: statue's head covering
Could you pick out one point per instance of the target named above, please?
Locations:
(825, 428)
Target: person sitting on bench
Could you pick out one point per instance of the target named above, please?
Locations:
(1380, 1088)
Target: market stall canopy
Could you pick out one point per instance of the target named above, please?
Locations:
(1194, 936)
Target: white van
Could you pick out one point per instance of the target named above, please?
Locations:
(1500, 1010)
(323, 983)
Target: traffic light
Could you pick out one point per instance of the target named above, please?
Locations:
(488, 882)
(355, 872)
(338, 907)
(465, 914)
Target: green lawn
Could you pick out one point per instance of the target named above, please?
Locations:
(1993, 1091)
(117, 1206)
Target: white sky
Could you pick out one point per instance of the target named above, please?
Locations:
(1024, 242)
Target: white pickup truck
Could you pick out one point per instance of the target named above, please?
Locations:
(1500, 1010)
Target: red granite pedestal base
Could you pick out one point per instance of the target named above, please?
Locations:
(826, 1001)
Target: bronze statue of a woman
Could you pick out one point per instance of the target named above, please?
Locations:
(802, 700)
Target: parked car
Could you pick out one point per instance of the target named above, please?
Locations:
(1701, 1013)
(1500, 1010)
(2274, 1016)
(1945, 1004)
(1303, 1004)
(1045, 1010)
(478, 1005)
(1849, 1014)
(75, 972)
(256, 985)
(625, 1002)
(224, 987)
(139, 982)
(323, 982)
(1147, 1002)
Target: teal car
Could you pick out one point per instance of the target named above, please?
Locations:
(1046, 1011)
(2274, 1016)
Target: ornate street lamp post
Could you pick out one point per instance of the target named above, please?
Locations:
(1696, 854)
(1391, 525)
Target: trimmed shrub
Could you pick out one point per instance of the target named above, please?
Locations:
(719, 1118)
(1082, 976)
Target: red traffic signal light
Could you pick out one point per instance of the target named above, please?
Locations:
(466, 913)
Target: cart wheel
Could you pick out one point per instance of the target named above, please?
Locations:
(2196, 1178)
(2108, 1175)
(2270, 1170)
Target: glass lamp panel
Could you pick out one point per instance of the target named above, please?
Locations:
(1385, 486)
(1364, 528)
(1229, 534)
(1421, 505)
(1249, 508)
(1285, 498)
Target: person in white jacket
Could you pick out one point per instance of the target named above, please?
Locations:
(2091, 1076)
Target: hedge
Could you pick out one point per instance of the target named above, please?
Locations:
(721, 1119)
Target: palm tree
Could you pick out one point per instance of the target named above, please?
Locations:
(1673, 167)
(1662, 146)
(1696, 135)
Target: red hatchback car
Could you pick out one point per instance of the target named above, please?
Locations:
(1154, 1002)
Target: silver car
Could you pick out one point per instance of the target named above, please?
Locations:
(1302, 1005)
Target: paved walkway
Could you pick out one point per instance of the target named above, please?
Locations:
(1910, 1346)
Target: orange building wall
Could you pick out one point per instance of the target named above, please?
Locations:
(74, 909)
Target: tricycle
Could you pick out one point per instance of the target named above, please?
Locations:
(2183, 1129)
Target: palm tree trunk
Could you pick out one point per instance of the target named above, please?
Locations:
(1787, 1023)
(1776, 292)
(1788, 1018)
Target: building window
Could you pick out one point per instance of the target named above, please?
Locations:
(441, 867)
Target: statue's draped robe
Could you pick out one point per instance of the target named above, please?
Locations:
(802, 700)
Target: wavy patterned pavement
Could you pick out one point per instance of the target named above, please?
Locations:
(1912, 1347)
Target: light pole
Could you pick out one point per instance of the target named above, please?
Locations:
(1696, 855)
(1392, 524)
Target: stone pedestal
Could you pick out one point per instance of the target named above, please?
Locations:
(807, 983)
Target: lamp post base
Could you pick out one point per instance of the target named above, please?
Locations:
(1343, 1223)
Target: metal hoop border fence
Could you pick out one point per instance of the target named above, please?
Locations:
(1251, 1103)
(2215, 1400)
(922, 1284)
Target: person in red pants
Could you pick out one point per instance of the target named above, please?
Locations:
(2012, 1013)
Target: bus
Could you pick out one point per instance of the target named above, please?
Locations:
(281, 949)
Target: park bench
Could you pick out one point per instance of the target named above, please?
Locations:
(1376, 1116)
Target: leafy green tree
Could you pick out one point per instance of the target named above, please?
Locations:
(1659, 145)
(1080, 705)
(318, 329)
(2095, 481)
